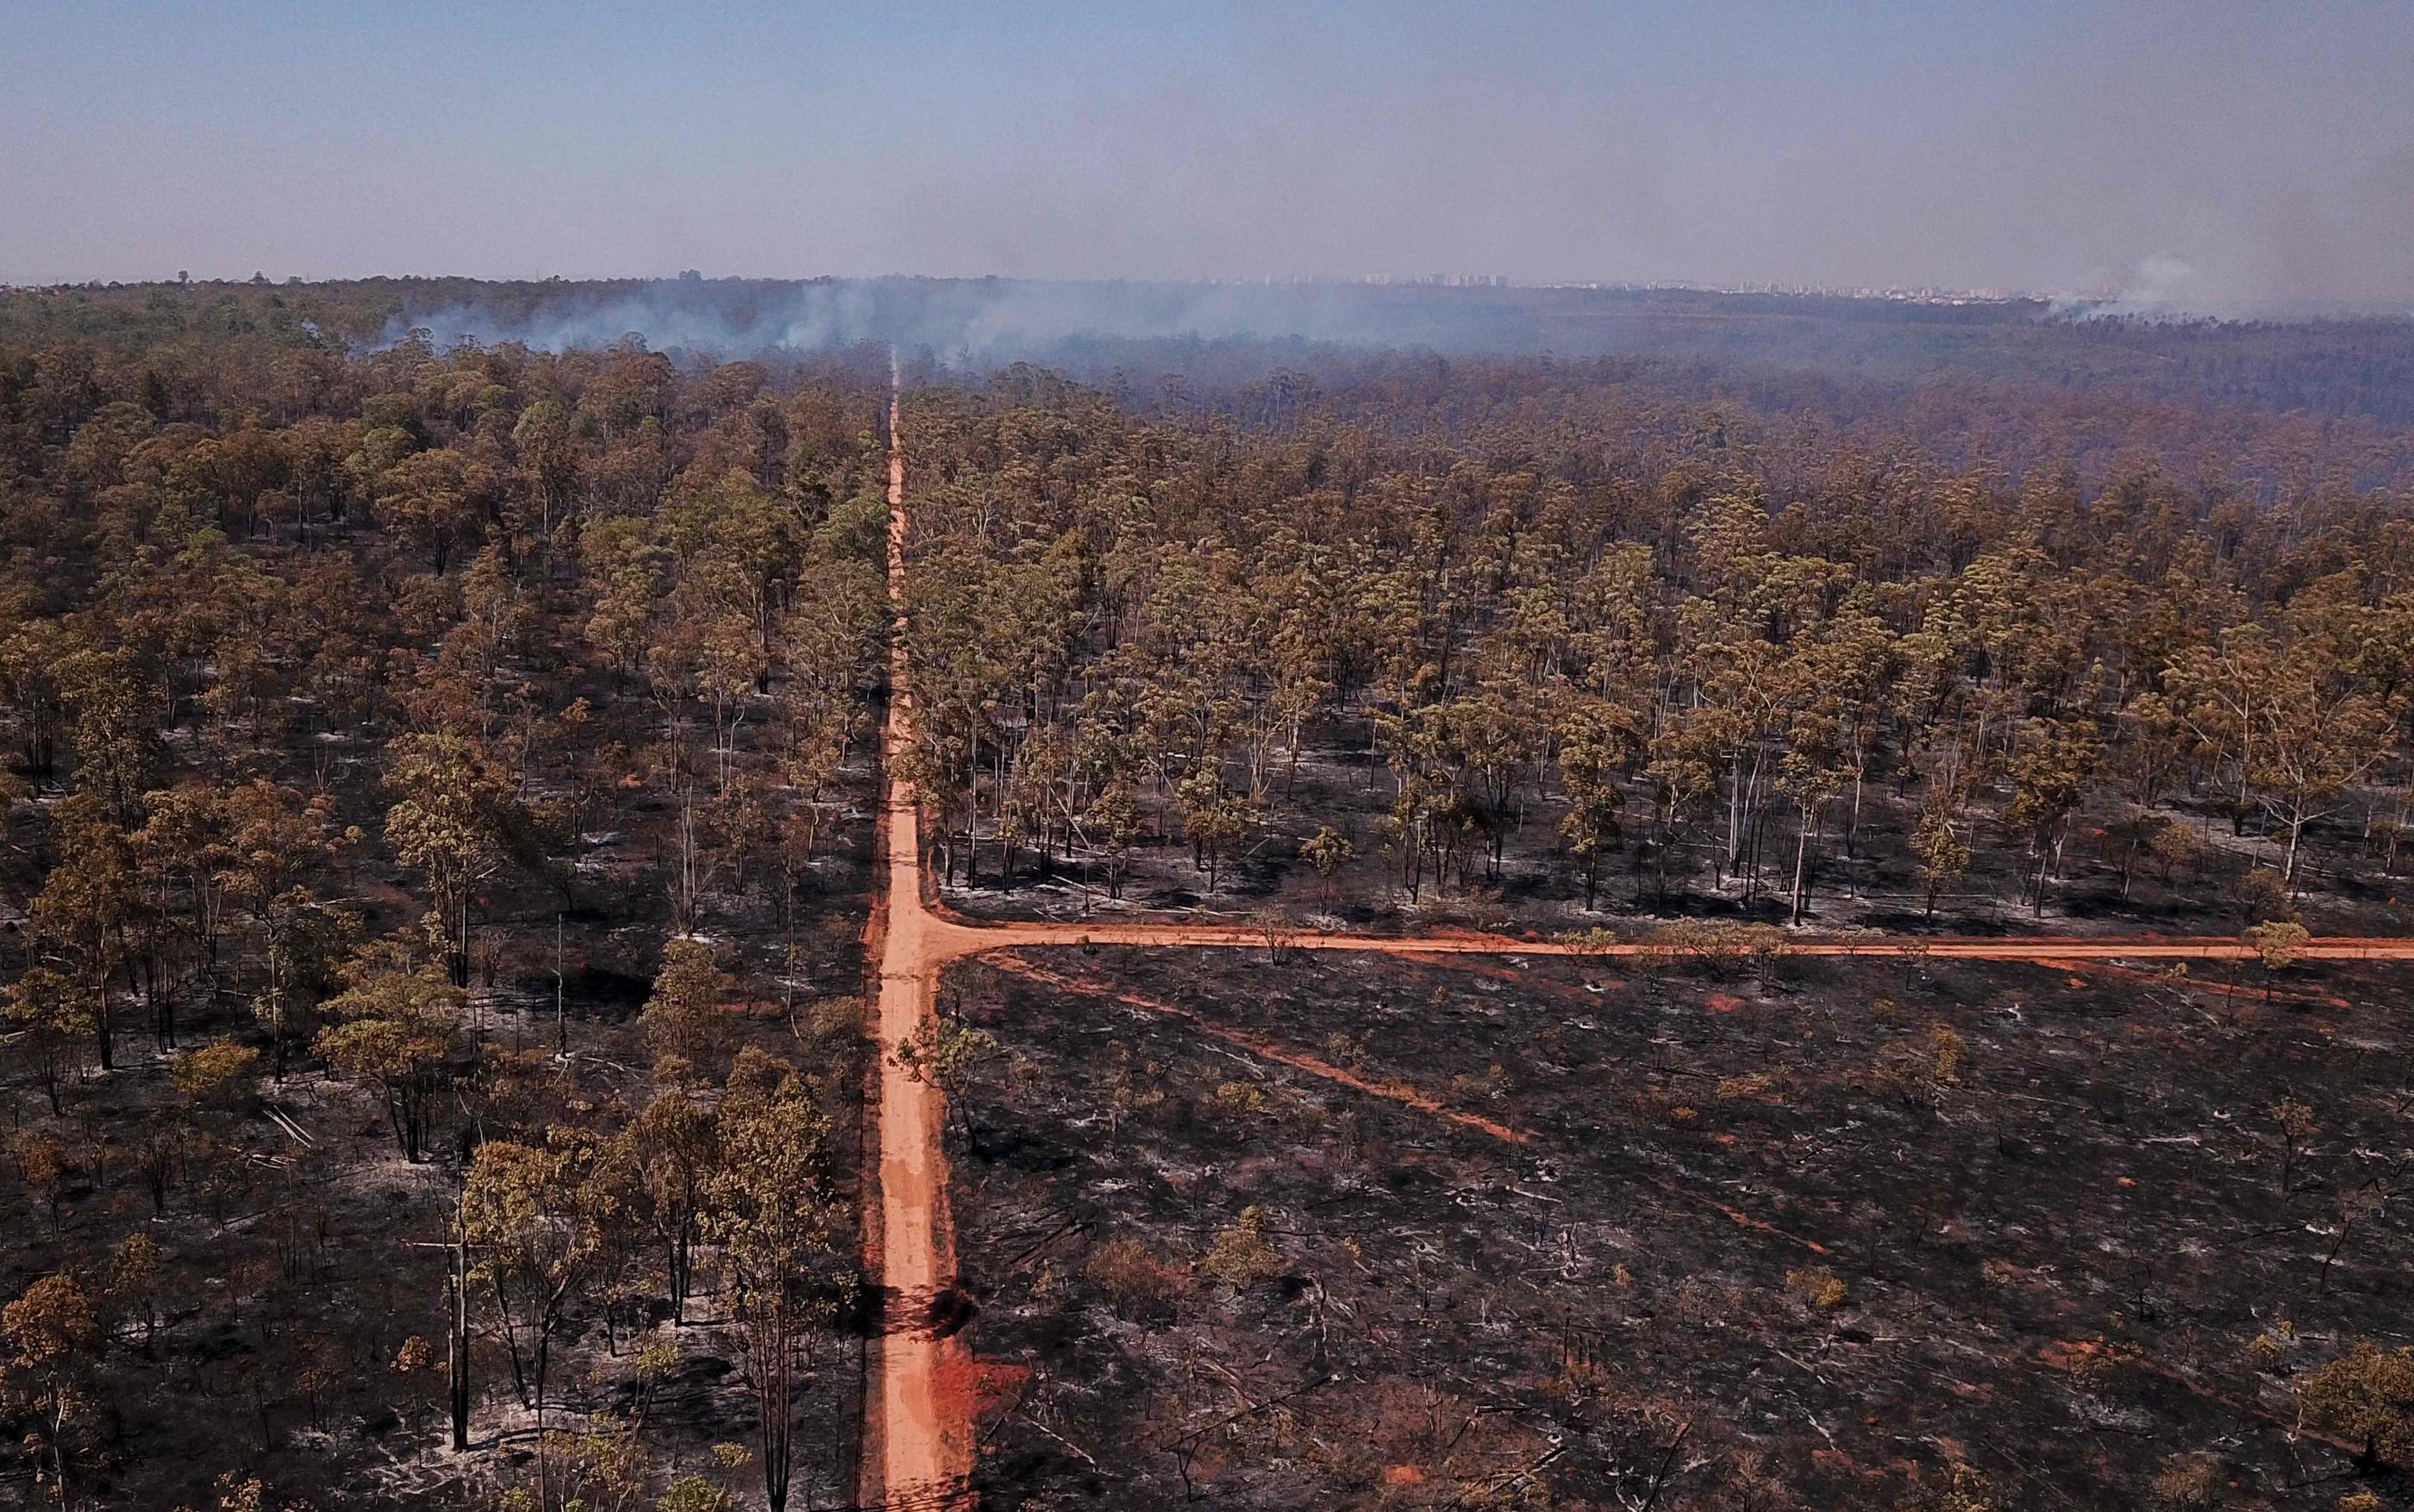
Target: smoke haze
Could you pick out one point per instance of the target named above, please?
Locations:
(982, 321)
(2217, 156)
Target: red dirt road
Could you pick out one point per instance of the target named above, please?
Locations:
(954, 939)
(919, 1427)
(917, 1441)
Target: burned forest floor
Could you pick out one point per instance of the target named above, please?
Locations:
(1338, 1232)
(2203, 874)
(286, 1325)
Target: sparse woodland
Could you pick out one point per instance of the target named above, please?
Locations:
(436, 840)
(1552, 644)
(437, 818)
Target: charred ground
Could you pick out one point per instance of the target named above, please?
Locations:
(1856, 1236)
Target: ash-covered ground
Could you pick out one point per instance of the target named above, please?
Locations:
(1933, 1234)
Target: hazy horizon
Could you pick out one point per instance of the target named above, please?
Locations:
(2213, 158)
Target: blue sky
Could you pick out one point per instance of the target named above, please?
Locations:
(2228, 152)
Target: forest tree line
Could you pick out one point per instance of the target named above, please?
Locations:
(1693, 638)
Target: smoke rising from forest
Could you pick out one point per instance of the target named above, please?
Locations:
(1212, 334)
(978, 322)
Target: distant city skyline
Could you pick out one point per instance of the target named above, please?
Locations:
(2221, 156)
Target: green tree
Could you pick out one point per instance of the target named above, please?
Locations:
(450, 820)
(307, 942)
(2366, 1395)
(2296, 724)
(434, 501)
(395, 1030)
(1327, 851)
(1596, 749)
(115, 698)
(674, 1148)
(685, 1013)
(771, 1219)
(56, 1338)
(524, 1210)
(1112, 821)
(48, 1025)
(82, 914)
(1215, 820)
(624, 572)
(2049, 774)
